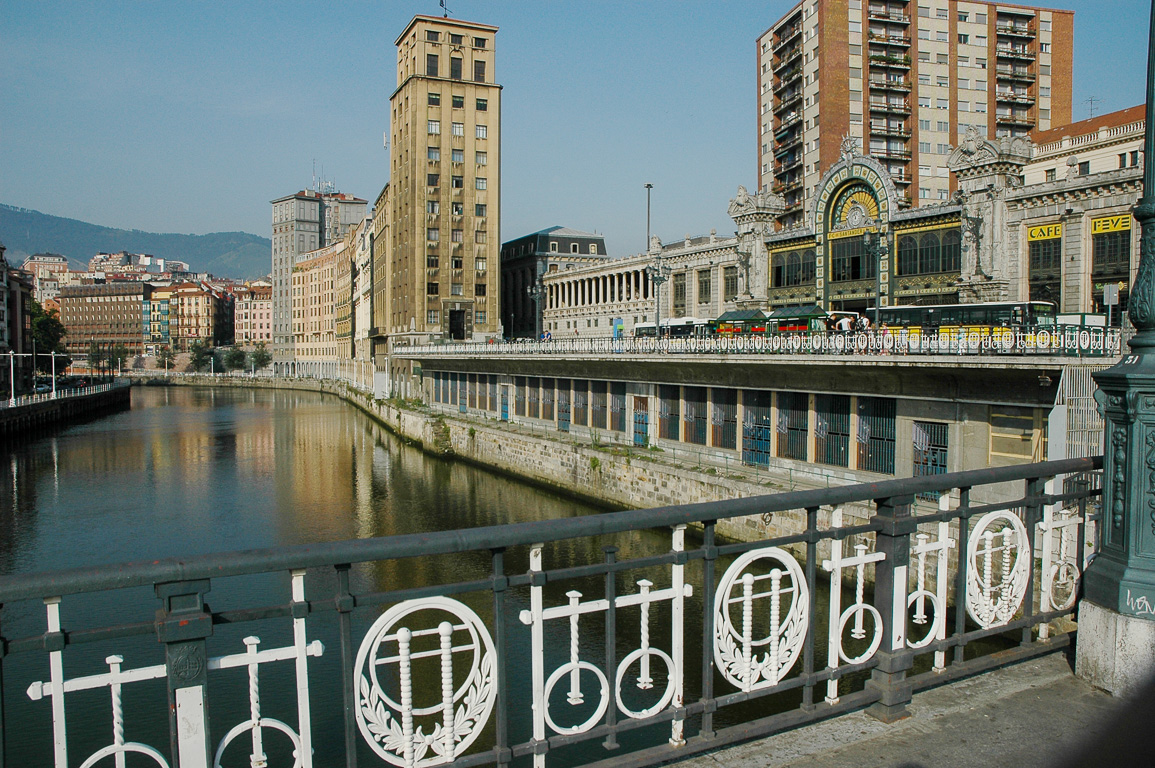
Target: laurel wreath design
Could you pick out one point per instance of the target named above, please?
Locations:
(792, 633)
(387, 731)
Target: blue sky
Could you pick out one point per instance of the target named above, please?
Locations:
(189, 117)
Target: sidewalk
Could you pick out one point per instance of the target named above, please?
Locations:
(1036, 713)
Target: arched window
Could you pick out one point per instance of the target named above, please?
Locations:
(951, 251)
(793, 268)
(808, 271)
(908, 255)
(779, 271)
(929, 256)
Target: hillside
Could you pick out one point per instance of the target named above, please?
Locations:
(225, 254)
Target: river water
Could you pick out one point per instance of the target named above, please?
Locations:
(198, 470)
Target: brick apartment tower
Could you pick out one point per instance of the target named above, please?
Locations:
(445, 182)
(906, 79)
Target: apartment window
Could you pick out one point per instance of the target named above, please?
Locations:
(943, 125)
(924, 11)
(479, 42)
(480, 264)
(963, 39)
(479, 316)
(479, 209)
(457, 235)
(458, 129)
(455, 39)
(943, 81)
(924, 101)
(432, 289)
(482, 132)
(924, 147)
(924, 79)
(457, 182)
(432, 206)
(1044, 114)
(433, 153)
(455, 68)
(457, 155)
(1045, 69)
(432, 179)
(924, 55)
(480, 237)
(553, 246)
(457, 209)
(432, 261)
(1085, 168)
(431, 317)
(1044, 47)
(930, 452)
(1051, 174)
(459, 102)
(964, 84)
(479, 289)
(1134, 158)
(942, 58)
(924, 125)
(482, 158)
(479, 71)
(943, 149)
(432, 234)
(924, 193)
(480, 182)
(942, 13)
(941, 36)
(1044, 91)
(432, 36)
(431, 64)
(435, 99)
(482, 105)
(963, 15)
(704, 287)
(980, 18)
(456, 289)
(942, 104)
(924, 34)
(434, 127)
(593, 249)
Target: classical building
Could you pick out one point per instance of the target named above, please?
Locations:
(304, 222)
(157, 316)
(526, 260)
(253, 315)
(445, 182)
(907, 80)
(199, 313)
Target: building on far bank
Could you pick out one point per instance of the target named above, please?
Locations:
(528, 259)
(47, 271)
(253, 315)
(908, 81)
(107, 314)
(315, 346)
(15, 328)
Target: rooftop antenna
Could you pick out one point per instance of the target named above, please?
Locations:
(1091, 101)
(446, 10)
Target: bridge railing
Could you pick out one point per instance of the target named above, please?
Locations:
(60, 394)
(1078, 341)
(567, 641)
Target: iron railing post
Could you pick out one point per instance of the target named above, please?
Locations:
(895, 525)
(183, 624)
(812, 537)
(709, 558)
(1032, 516)
(501, 642)
(344, 605)
(961, 576)
(611, 556)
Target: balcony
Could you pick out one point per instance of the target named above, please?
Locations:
(886, 84)
(899, 178)
(788, 101)
(887, 15)
(892, 107)
(786, 36)
(788, 78)
(790, 186)
(1008, 52)
(786, 125)
(794, 206)
(787, 59)
(891, 154)
(899, 40)
(1022, 120)
(1019, 75)
(882, 60)
(889, 130)
(787, 166)
(1015, 98)
(1015, 30)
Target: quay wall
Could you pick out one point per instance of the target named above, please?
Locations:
(609, 475)
(19, 419)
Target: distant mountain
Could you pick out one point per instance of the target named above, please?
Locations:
(225, 254)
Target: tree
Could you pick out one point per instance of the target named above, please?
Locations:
(200, 354)
(260, 356)
(165, 358)
(235, 358)
(96, 356)
(48, 334)
(118, 356)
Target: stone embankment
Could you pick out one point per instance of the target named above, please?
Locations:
(26, 417)
(611, 474)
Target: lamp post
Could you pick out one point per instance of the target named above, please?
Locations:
(535, 292)
(12, 378)
(1119, 586)
(658, 274)
(874, 246)
(649, 188)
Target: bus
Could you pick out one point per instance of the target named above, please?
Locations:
(949, 321)
(678, 328)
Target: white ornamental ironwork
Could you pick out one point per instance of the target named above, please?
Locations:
(839, 618)
(998, 568)
(1061, 571)
(117, 677)
(671, 696)
(735, 643)
(924, 549)
(388, 720)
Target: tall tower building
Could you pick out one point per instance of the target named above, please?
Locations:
(906, 79)
(445, 182)
(303, 222)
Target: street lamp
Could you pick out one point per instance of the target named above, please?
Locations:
(874, 246)
(658, 274)
(536, 291)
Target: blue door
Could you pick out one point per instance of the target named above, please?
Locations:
(563, 407)
(641, 420)
(505, 403)
(462, 392)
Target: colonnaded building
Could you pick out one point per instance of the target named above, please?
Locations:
(1030, 221)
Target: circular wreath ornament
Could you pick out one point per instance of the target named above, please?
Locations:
(998, 568)
(747, 661)
(455, 712)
